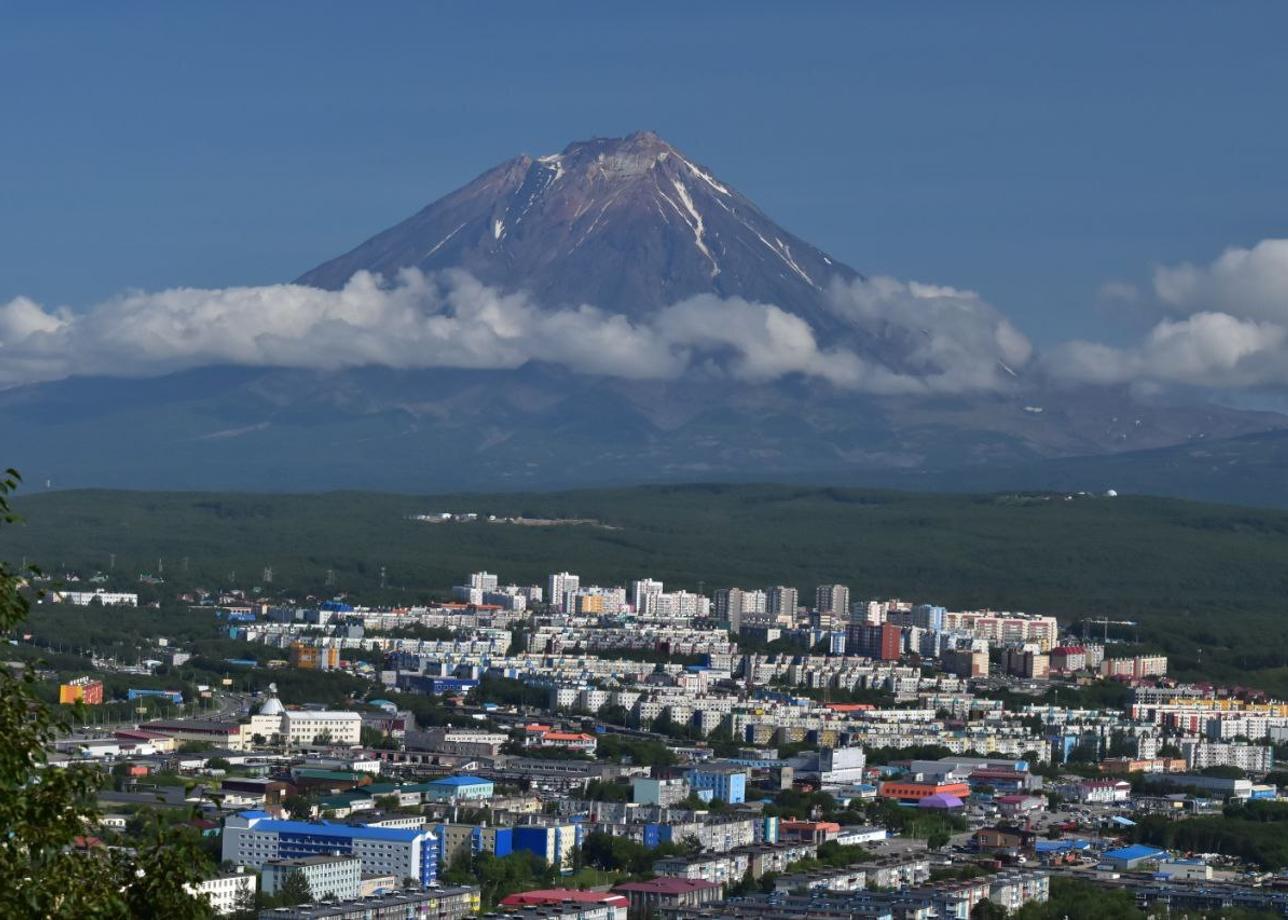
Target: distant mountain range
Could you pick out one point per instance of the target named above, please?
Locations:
(630, 226)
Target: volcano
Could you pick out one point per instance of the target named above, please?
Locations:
(872, 389)
(629, 225)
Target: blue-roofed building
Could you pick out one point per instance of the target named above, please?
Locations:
(252, 838)
(1132, 857)
(458, 789)
(1055, 848)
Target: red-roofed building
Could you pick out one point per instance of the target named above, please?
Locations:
(668, 891)
(538, 735)
(913, 792)
(573, 741)
(162, 744)
(1020, 805)
(617, 904)
(1068, 658)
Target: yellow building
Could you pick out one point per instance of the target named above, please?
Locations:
(315, 657)
(81, 690)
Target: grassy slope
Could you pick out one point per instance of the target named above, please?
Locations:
(1197, 575)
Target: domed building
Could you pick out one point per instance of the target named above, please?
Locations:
(272, 706)
(941, 801)
(275, 724)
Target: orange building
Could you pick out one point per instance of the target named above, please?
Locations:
(81, 690)
(315, 657)
(911, 791)
(808, 831)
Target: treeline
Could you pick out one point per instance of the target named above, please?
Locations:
(1256, 832)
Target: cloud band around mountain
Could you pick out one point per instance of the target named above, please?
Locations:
(1225, 325)
(450, 319)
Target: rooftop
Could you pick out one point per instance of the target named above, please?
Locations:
(561, 895)
(459, 781)
(330, 829)
(1135, 851)
(666, 884)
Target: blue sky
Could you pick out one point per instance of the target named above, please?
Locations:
(1026, 151)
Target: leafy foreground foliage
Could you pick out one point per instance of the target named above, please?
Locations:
(45, 812)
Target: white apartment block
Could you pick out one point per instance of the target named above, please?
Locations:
(642, 593)
(338, 877)
(680, 605)
(834, 599)
(1249, 757)
(227, 893)
(560, 586)
(98, 596)
(1006, 628)
(782, 603)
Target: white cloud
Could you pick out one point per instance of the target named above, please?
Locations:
(943, 339)
(1206, 349)
(1251, 283)
(1232, 330)
(450, 319)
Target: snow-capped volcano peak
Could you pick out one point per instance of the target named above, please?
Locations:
(628, 224)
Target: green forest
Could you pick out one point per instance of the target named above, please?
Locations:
(1208, 584)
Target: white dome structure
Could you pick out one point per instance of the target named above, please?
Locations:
(272, 706)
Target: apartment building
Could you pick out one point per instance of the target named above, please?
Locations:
(338, 877)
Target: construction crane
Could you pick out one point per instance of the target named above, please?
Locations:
(1107, 623)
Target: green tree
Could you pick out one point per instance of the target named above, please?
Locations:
(373, 737)
(295, 890)
(614, 713)
(298, 807)
(987, 910)
(46, 813)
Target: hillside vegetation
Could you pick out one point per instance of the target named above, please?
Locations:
(1196, 576)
